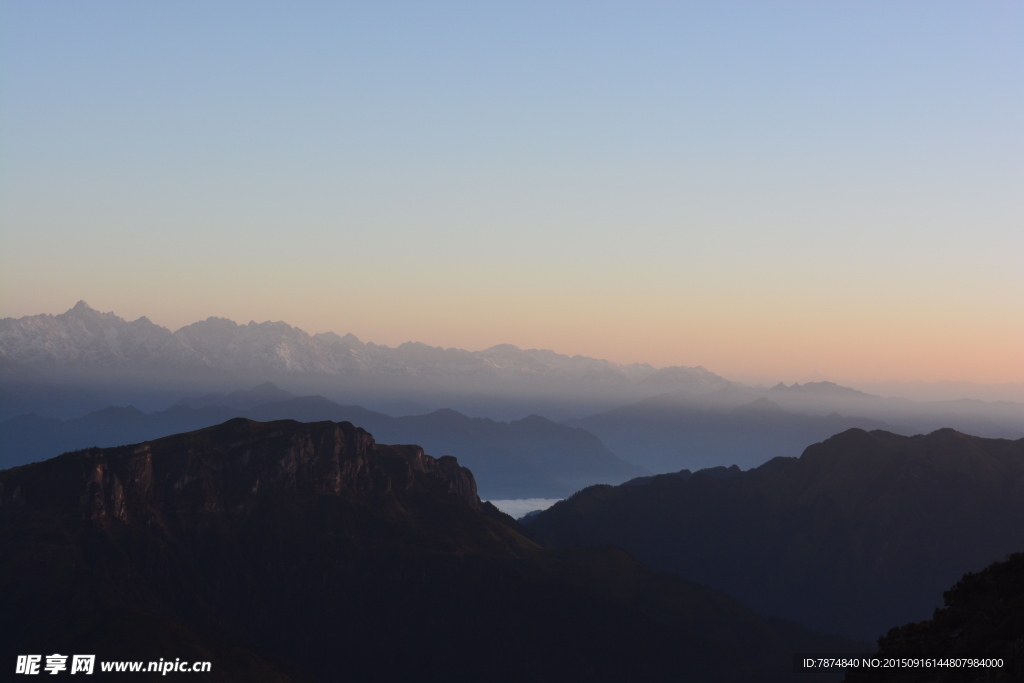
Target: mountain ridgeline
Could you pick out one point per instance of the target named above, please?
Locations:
(285, 551)
(82, 360)
(67, 365)
(863, 531)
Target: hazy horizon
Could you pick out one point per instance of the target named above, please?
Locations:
(782, 192)
(916, 390)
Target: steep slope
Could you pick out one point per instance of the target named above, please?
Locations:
(862, 531)
(283, 550)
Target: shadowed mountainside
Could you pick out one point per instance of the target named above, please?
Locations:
(864, 530)
(290, 551)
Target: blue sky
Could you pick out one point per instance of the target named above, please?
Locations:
(767, 189)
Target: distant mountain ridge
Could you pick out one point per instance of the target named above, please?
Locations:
(240, 399)
(748, 426)
(83, 336)
(69, 364)
(82, 360)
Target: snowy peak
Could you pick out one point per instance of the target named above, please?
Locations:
(83, 336)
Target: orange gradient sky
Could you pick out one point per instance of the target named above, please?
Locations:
(774, 192)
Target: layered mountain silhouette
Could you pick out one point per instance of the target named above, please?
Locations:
(83, 359)
(529, 458)
(864, 530)
(77, 362)
(285, 551)
(983, 618)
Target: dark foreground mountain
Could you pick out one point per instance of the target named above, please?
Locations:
(286, 551)
(528, 458)
(863, 531)
(983, 618)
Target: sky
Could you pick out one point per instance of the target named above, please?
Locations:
(773, 190)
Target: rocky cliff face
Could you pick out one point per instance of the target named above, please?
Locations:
(228, 468)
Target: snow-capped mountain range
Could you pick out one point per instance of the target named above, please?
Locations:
(86, 338)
